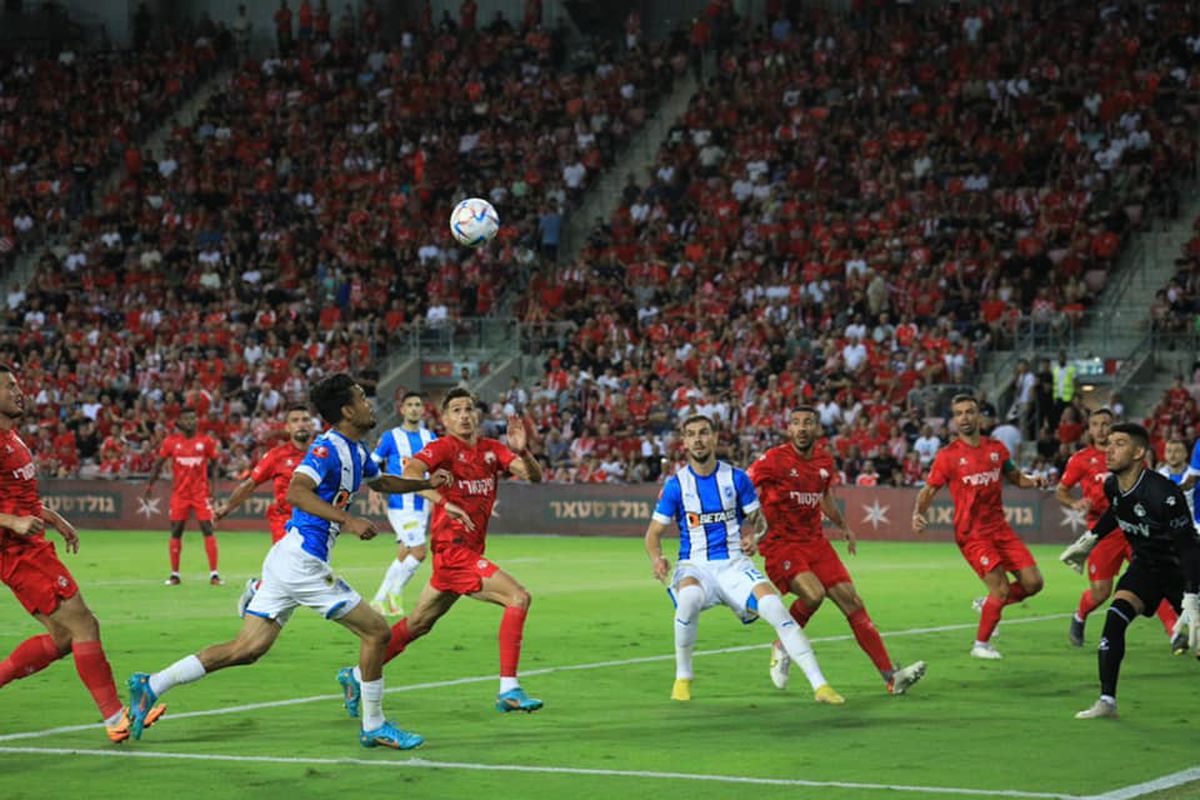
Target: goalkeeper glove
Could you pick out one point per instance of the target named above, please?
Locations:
(1077, 552)
(1191, 612)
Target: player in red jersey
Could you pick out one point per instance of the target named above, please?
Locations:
(974, 467)
(277, 464)
(795, 485)
(30, 567)
(193, 467)
(459, 531)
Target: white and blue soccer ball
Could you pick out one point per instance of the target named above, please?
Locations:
(474, 222)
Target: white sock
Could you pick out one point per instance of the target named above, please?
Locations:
(508, 684)
(186, 670)
(372, 704)
(689, 601)
(408, 568)
(115, 718)
(358, 675)
(980, 644)
(389, 580)
(791, 635)
(1108, 698)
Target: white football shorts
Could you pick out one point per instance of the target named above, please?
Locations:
(292, 577)
(410, 526)
(729, 583)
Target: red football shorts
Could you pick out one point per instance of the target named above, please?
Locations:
(182, 506)
(818, 557)
(1000, 548)
(37, 578)
(460, 570)
(1105, 560)
(278, 524)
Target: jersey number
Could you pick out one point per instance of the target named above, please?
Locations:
(754, 575)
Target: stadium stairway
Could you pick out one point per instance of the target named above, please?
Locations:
(1118, 324)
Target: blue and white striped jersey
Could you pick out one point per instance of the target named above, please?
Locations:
(709, 510)
(395, 449)
(339, 466)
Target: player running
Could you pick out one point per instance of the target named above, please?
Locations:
(1153, 513)
(459, 535)
(297, 572)
(710, 500)
(407, 513)
(795, 484)
(974, 466)
(42, 584)
(277, 465)
(193, 470)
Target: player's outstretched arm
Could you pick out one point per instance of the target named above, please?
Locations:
(396, 484)
(829, 507)
(924, 499)
(155, 471)
(1021, 480)
(302, 495)
(239, 496)
(653, 542)
(65, 528)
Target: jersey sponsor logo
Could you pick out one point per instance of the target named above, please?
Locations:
(25, 473)
(189, 461)
(481, 486)
(807, 499)
(982, 478)
(1138, 528)
(321, 451)
(695, 520)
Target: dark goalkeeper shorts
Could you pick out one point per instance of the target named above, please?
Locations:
(1153, 583)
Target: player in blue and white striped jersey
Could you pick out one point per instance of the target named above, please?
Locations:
(407, 513)
(710, 501)
(297, 572)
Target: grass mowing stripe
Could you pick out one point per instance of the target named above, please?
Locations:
(420, 763)
(533, 672)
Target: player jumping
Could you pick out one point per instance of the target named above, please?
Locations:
(975, 467)
(795, 485)
(407, 513)
(1153, 513)
(42, 583)
(710, 500)
(193, 468)
(459, 536)
(297, 572)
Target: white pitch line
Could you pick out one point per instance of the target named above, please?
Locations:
(295, 701)
(1156, 785)
(420, 763)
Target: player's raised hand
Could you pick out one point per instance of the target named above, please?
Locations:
(440, 477)
(28, 526)
(458, 514)
(517, 440)
(662, 568)
(361, 527)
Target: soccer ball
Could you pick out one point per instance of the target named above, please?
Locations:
(474, 222)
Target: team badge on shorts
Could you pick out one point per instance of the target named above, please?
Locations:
(481, 563)
(985, 560)
(62, 581)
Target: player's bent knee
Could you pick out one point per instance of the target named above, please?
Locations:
(522, 599)
(1033, 585)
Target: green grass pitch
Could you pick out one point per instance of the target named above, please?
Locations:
(1001, 729)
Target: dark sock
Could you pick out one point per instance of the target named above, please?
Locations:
(1112, 644)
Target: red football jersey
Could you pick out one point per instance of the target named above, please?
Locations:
(1089, 468)
(189, 463)
(18, 488)
(278, 464)
(474, 487)
(975, 476)
(790, 489)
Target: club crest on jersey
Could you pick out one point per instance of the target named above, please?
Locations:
(199, 446)
(1170, 501)
(962, 462)
(995, 456)
(1139, 509)
(824, 473)
(489, 457)
(793, 474)
(321, 451)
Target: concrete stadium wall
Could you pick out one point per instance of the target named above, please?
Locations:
(566, 510)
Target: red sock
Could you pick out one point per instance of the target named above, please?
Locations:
(512, 628)
(1087, 604)
(989, 618)
(400, 640)
(210, 547)
(96, 674)
(175, 546)
(1167, 616)
(31, 655)
(1016, 593)
(801, 612)
(869, 640)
